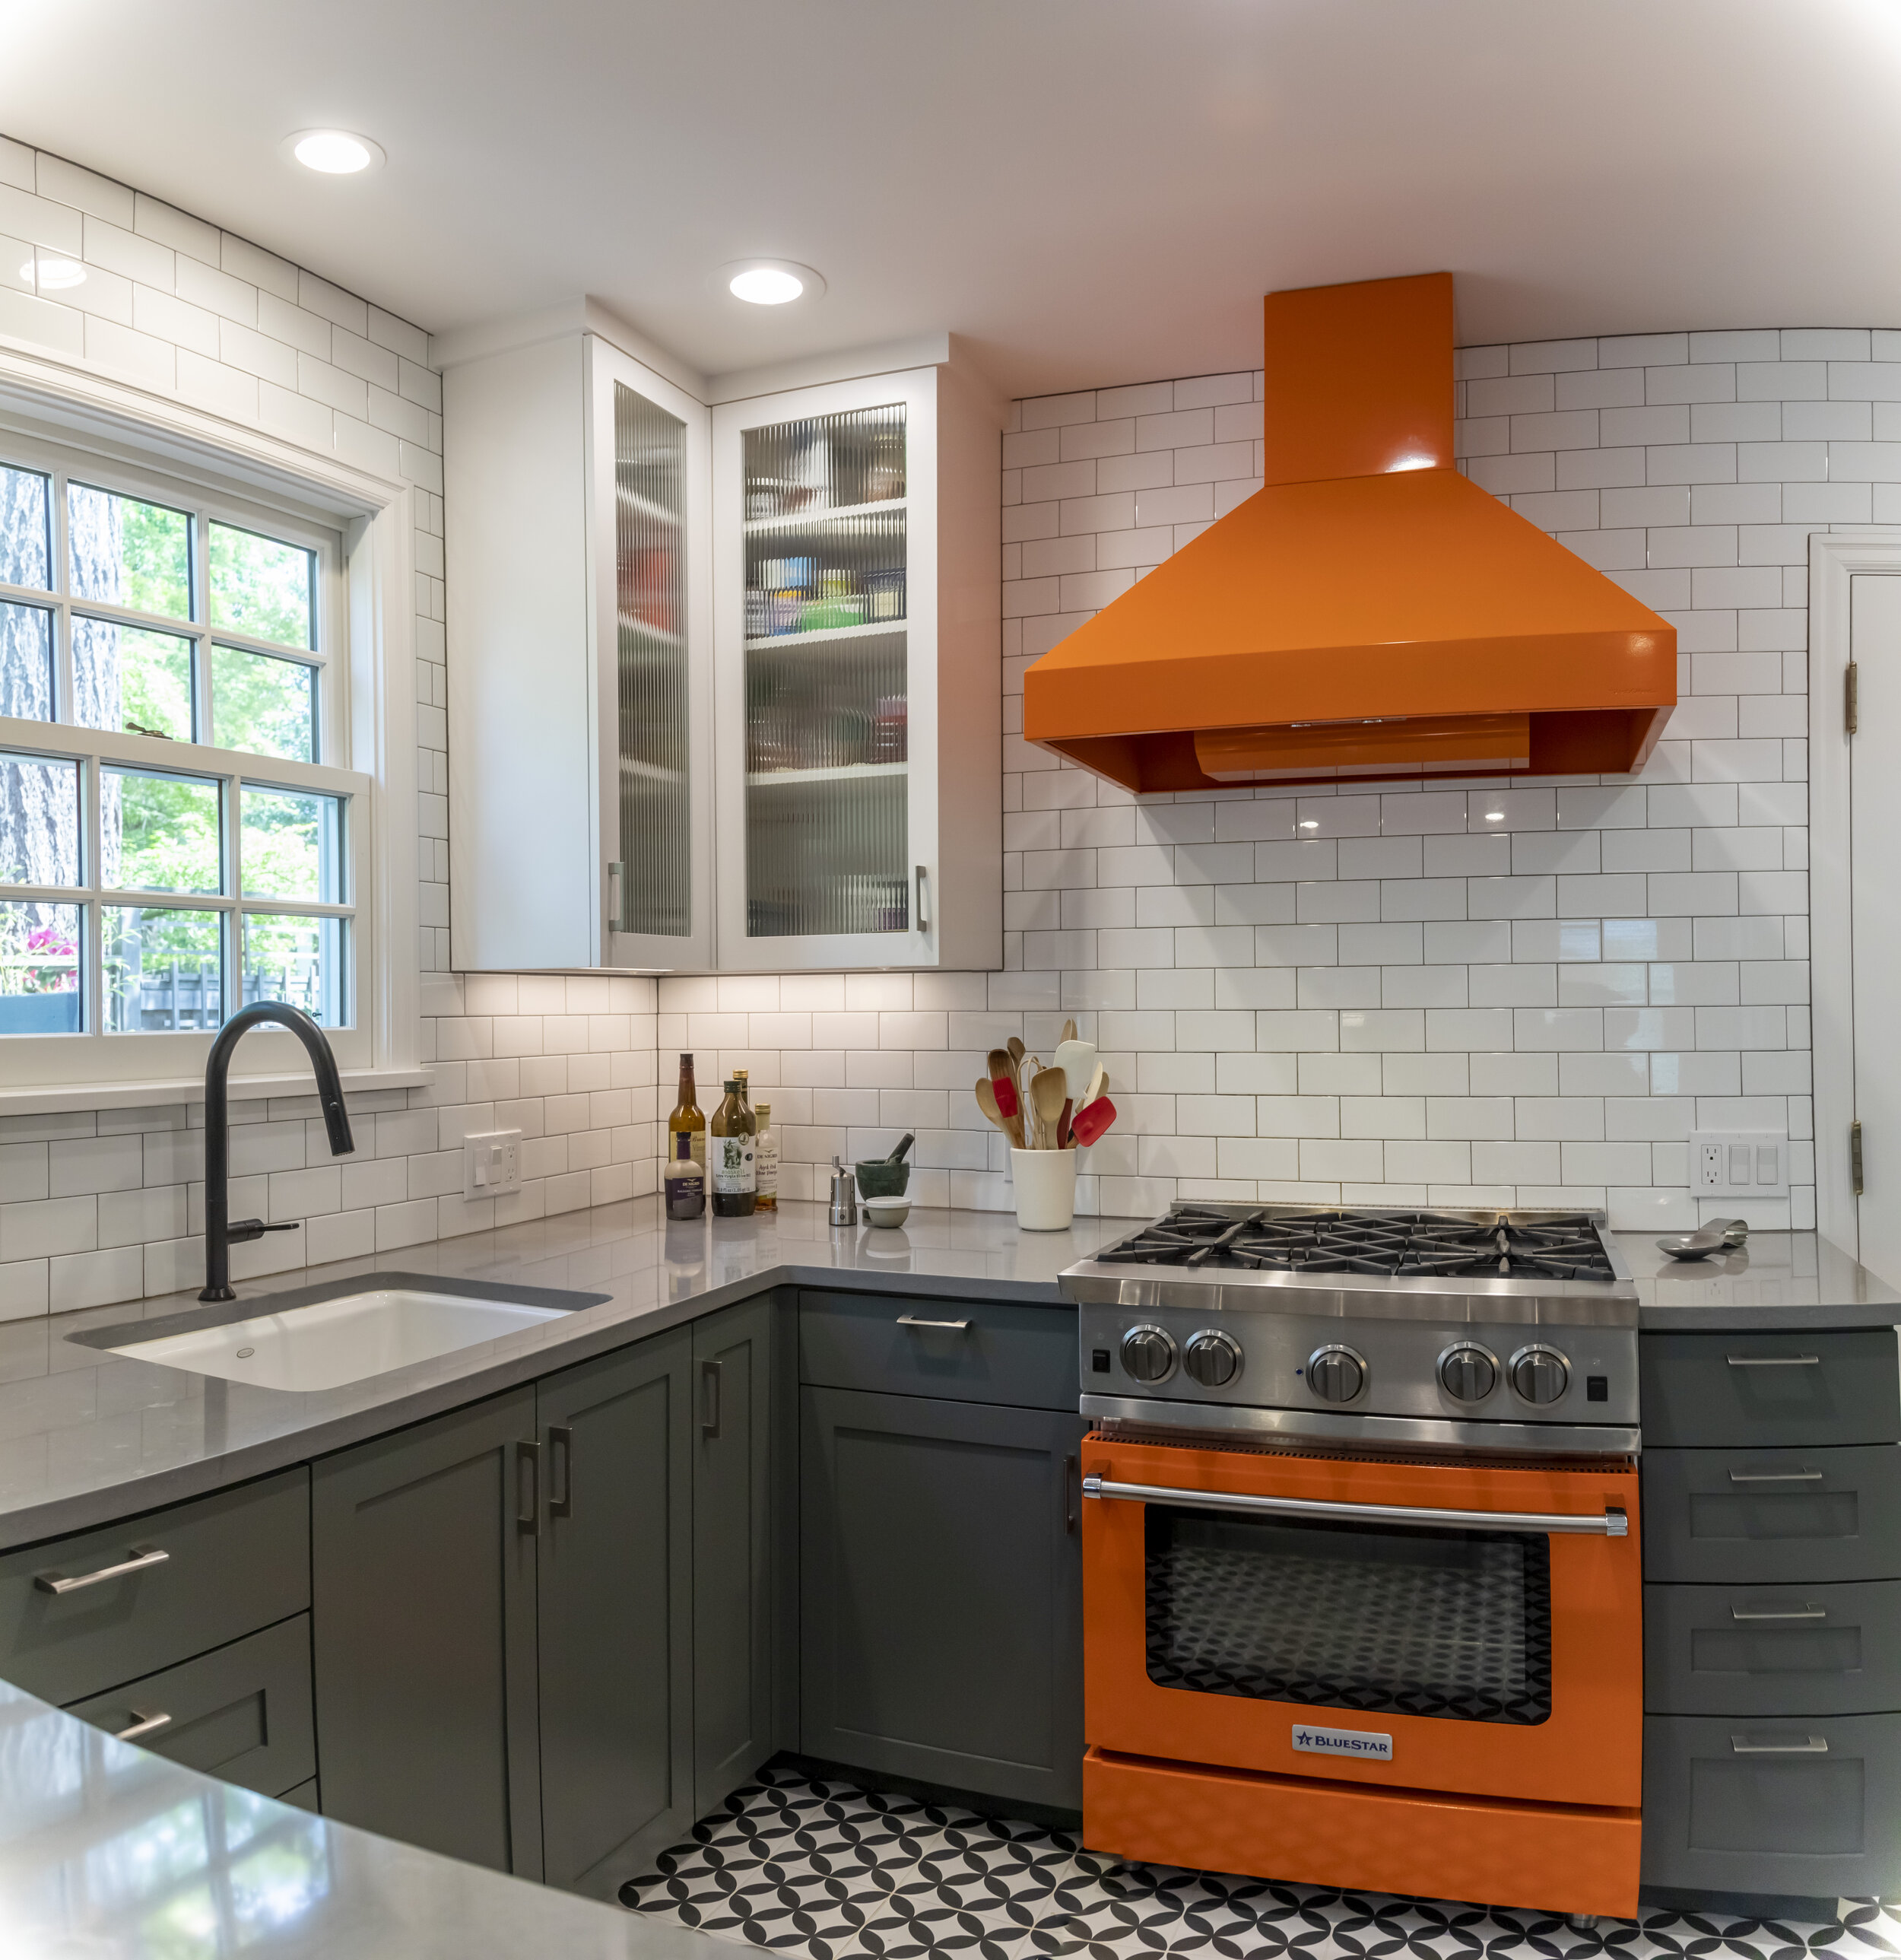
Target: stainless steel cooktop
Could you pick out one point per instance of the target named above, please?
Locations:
(1492, 1331)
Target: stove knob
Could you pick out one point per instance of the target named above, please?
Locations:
(1467, 1373)
(1148, 1354)
(1539, 1374)
(1213, 1358)
(1335, 1374)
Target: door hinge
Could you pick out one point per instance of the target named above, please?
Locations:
(1855, 1156)
(1852, 701)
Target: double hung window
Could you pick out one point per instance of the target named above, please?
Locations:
(179, 832)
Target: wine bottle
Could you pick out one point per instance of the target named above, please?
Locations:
(685, 1168)
(729, 1141)
(765, 1158)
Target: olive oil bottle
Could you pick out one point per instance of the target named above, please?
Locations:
(686, 1169)
(729, 1141)
(765, 1162)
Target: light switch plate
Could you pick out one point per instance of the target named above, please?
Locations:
(491, 1163)
(1738, 1163)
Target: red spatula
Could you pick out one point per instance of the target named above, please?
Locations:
(1093, 1119)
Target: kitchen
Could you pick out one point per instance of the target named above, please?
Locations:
(1550, 986)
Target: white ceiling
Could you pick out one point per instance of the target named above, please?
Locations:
(1093, 191)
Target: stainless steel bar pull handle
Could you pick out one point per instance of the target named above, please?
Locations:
(527, 1480)
(1610, 1523)
(709, 1398)
(918, 1320)
(923, 916)
(561, 1456)
(143, 1558)
(142, 1724)
(1776, 1477)
(1774, 1360)
(1803, 1612)
(1810, 1745)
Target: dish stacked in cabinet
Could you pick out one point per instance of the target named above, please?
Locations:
(1771, 1518)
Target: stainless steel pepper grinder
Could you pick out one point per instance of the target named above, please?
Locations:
(845, 1201)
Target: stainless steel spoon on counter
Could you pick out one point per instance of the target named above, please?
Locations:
(1719, 1235)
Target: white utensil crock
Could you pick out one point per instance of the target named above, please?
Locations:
(1045, 1182)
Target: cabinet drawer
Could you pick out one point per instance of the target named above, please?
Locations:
(232, 1563)
(956, 1350)
(1759, 1391)
(1771, 1517)
(1760, 1649)
(1773, 1804)
(243, 1712)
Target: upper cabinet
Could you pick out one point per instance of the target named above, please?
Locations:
(857, 633)
(725, 683)
(580, 669)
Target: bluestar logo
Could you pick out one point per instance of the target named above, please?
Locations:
(1362, 1742)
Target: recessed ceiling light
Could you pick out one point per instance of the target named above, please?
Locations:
(55, 275)
(768, 281)
(336, 153)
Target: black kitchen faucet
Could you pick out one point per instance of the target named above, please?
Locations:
(220, 1232)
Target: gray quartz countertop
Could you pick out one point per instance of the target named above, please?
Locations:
(1794, 1280)
(109, 1853)
(87, 1435)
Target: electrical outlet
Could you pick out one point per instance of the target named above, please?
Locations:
(1739, 1163)
(491, 1164)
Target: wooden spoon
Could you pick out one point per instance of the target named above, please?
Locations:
(1069, 1028)
(1048, 1092)
(1009, 1088)
(1016, 1048)
(987, 1102)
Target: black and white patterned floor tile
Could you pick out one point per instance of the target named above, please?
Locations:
(826, 1871)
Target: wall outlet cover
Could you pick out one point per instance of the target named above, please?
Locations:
(491, 1163)
(1739, 1163)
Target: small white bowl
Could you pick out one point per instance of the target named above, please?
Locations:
(886, 1211)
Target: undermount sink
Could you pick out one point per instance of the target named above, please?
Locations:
(326, 1343)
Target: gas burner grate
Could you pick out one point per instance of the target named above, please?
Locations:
(1383, 1244)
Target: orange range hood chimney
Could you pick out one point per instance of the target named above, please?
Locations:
(1369, 613)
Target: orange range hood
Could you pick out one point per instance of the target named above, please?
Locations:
(1369, 614)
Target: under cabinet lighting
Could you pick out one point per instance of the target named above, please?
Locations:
(1495, 816)
(55, 275)
(1309, 823)
(334, 152)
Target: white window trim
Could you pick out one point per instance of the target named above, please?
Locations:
(377, 517)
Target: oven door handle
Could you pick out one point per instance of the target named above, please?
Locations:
(1610, 1523)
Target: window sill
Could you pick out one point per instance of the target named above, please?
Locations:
(46, 1098)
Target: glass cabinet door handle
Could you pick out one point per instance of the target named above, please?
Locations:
(923, 917)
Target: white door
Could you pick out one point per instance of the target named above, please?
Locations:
(1874, 885)
(825, 627)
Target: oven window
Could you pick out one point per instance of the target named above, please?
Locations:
(1384, 1619)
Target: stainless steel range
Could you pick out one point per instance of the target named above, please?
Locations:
(1508, 1331)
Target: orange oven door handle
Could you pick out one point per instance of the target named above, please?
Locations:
(1610, 1523)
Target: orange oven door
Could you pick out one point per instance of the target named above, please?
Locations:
(1351, 1636)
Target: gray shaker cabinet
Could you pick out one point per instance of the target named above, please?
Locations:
(615, 1559)
(423, 1635)
(732, 1586)
(941, 1587)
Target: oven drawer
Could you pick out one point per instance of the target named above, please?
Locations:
(243, 1712)
(966, 1351)
(1767, 1391)
(1762, 1649)
(1761, 1804)
(1771, 1517)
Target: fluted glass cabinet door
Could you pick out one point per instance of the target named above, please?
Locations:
(649, 473)
(825, 571)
